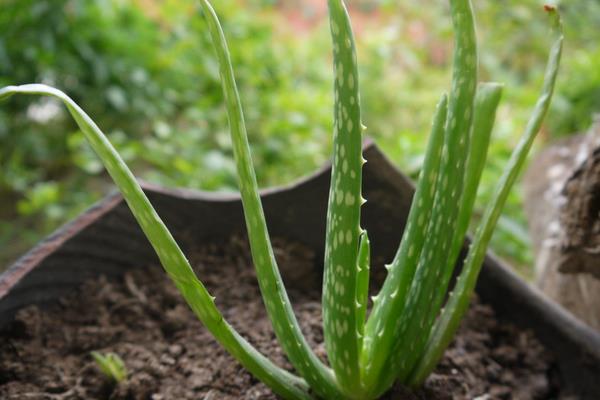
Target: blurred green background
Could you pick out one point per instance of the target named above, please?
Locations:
(145, 71)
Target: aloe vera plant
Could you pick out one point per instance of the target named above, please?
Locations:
(407, 329)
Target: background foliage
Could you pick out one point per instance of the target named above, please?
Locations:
(145, 71)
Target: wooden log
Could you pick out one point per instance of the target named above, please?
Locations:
(562, 202)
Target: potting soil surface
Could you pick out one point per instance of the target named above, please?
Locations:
(45, 354)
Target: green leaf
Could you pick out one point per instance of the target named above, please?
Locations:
(362, 285)
(391, 298)
(271, 285)
(408, 327)
(111, 365)
(340, 310)
(486, 103)
(169, 253)
(458, 302)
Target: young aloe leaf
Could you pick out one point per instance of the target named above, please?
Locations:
(406, 327)
(486, 101)
(271, 285)
(340, 311)
(111, 365)
(362, 285)
(169, 253)
(457, 304)
(402, 268)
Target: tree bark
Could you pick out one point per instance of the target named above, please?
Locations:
(562, 202)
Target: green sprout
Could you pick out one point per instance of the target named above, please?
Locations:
(412, 318)
(111, 365)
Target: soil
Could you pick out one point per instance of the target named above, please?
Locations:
(45, 354)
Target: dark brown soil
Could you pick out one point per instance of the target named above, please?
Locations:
(169, 355)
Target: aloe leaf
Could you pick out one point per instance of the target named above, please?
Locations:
(277, 302)
(111, 365)
(407, 326)
(486, 102)
(271, 285)
(343, 214)
(402, 268)
(362, 285)
(169, 253)
(458, 302)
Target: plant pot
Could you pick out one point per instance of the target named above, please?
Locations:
(106, 240)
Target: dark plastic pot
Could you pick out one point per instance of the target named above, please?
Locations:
(106, 240)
